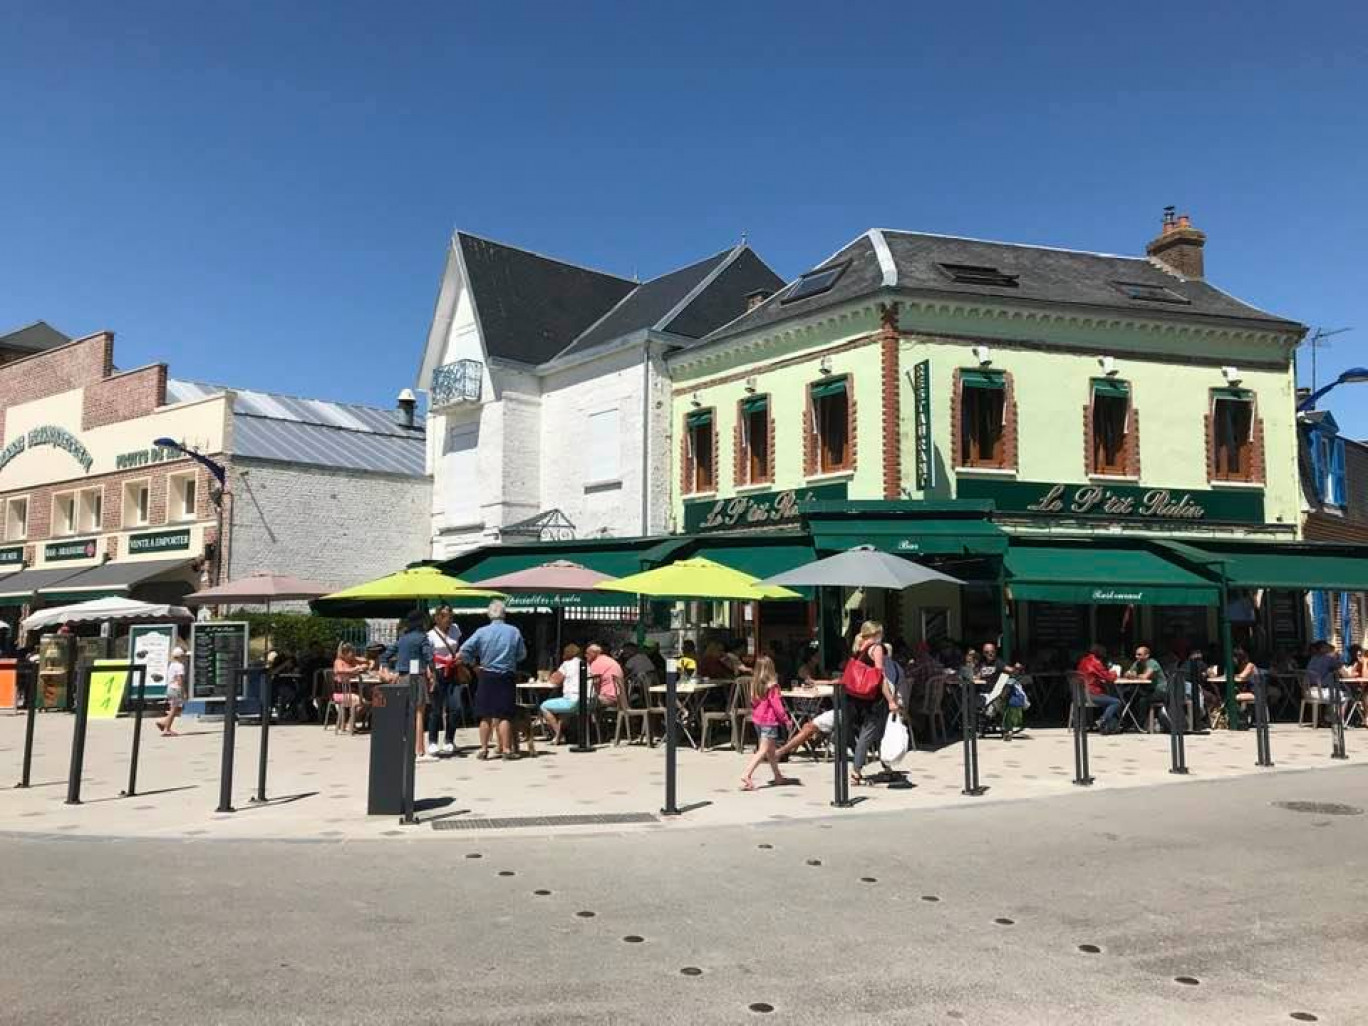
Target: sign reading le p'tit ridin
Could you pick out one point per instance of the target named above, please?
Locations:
(1118, 502)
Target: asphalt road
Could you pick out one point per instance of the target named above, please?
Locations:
(1262, 906)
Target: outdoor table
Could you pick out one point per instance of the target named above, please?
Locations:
(807, 702)
(691, 694)
(1135, 686)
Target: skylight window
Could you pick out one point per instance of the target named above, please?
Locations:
(1148, 293)
(974, 274)
(814, 283)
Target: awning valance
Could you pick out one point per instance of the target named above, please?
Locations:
(1093, 574)
(911, 537)
(1293, 567)
(116, 578)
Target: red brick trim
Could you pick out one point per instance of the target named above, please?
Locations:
(741, 451)
(1010, 444)
(1130, 453)
(892, 413)
(1257, 459)
(686, 461)
(812, 457)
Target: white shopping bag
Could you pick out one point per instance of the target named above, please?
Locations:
(895, 741)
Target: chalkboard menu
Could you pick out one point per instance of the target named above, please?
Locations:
(1060, 627)
(218, 655)
(1284, 620)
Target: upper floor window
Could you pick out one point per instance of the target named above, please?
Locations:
(64, 513)
(700, 471)
(831, 427)
(16, 519)
(1110, 420)
(92, 509)
(605, 446)
(136, 503)
(754, 441)
(1232, 435)
(983, 419)
(183, 494)
(1327, 467)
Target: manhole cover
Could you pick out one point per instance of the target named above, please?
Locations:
(1320, 808)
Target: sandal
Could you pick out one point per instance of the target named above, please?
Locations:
(748, 785)
(483, 754)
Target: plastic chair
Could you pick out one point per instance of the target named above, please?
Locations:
(708, 717)
(626, 713)
(332, 706)
(933, 706)
(1311, 698)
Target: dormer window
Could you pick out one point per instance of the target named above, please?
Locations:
(814, 283)
(975, 274)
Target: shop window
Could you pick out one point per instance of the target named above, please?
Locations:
(831, 425)
(1110, 421)
(92, 509)
(1232, 436)
(754, 421)
(700, 465)
(183, 491)
(983, 413)
(16, 519)
(64, 513)
(136, 504)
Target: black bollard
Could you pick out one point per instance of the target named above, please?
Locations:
(671, 743)
(30, 673)
(407, 818)
(582, 712)
(969, 719)
(229, 747)
(140, 671)
(1338, 750)
(1177, 715)
(1261, 738)
(840, 720)
(78, 737)
(267, 699)
(1080, 725)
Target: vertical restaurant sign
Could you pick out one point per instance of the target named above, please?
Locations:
(925, 452)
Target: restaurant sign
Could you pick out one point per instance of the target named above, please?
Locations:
(925, 453)
(765, 509)
(12, 556)
(144, 457)
(1118, 502)
(84, 548)
(47, 434)
(159, 541)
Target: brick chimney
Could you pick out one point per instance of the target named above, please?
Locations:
(1179, 245)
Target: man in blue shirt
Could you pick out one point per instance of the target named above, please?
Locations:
(1325, 669)
(495, 649)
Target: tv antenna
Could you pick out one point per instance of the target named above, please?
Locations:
(1320, 340)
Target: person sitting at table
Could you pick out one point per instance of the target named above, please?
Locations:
(567, 678)
(639, 668)
(1326, 673)
(1198, 670)
(688, 659)
(713, 665)
(1247, 677)
(1148, 683)
(1097, 675)
(810, 669)
(347, 669)
(607, 671)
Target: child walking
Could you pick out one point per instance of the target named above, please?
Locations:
(768, 714)
(175, 691)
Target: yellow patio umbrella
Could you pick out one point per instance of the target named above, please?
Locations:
(698, 579)
(415, 585)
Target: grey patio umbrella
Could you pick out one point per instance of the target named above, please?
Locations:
(860, 568)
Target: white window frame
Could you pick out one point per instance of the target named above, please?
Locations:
(597, 473)
(84, 504)
(125, 519)
(62, 501)
(175, 495)
(10, 504)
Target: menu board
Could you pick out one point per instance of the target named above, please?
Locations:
(1284, 620)
(1061, 627)
(218, 657)
(149, 645)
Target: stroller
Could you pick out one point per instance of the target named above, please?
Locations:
(1004, 707)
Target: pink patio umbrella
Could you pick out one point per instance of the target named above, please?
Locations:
(262, 588)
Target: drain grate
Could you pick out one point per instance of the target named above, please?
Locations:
(514, 822)
(1320, 808)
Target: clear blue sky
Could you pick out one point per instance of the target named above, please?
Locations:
(261, 194)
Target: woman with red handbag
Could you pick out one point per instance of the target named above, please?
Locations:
(870, 698)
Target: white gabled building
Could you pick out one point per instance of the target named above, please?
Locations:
(549, 407)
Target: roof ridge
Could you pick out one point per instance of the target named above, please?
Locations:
(729, 257)
(1015, 245)
(544, 256)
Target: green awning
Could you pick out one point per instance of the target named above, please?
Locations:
(1285, 567)
(1097, 575)
(935, 537)
(982, 379)
(699, 418)
(755, 404)
(825, 388)
(1110, 389)
(1232, 393)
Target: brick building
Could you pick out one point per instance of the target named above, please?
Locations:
(91, 506)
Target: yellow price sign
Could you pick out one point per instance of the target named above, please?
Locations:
(108, 678)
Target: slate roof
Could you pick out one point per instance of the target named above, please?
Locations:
(910, 262)
(725, 297)
(530, 306)
(34, 338)
(345, 436)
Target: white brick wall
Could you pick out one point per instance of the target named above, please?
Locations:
(335, 527)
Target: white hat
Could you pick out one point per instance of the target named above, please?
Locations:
(178, 651)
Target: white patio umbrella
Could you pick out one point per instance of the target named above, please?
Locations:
(99, 610)
(863, 567)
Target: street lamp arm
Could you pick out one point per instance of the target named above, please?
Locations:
(1354, 374)
(217, 469)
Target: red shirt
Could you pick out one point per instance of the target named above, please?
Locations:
(1095, 672)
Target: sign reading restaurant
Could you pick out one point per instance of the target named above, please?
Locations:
(1117, 502)
(47, 434)
(158, 541)
(765, 509)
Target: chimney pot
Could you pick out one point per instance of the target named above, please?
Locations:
(1179, 246)
(408, 404)
(757, 297)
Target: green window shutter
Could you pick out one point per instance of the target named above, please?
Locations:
(1110, 389)
(983, 379)
(699, 418)
(822, 389)
(755, 404)
(1232, 393)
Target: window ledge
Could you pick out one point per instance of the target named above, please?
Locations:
(831, 476)
(987, 471)
(758, 486)
(692, 496)
(606, 485)
(1237, 484)
(1134, 479)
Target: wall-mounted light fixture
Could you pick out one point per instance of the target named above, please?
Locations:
(825, 365)
(1231, 374)
(1108, 364)
(697, 402)
(983, 355)
(750, 385)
